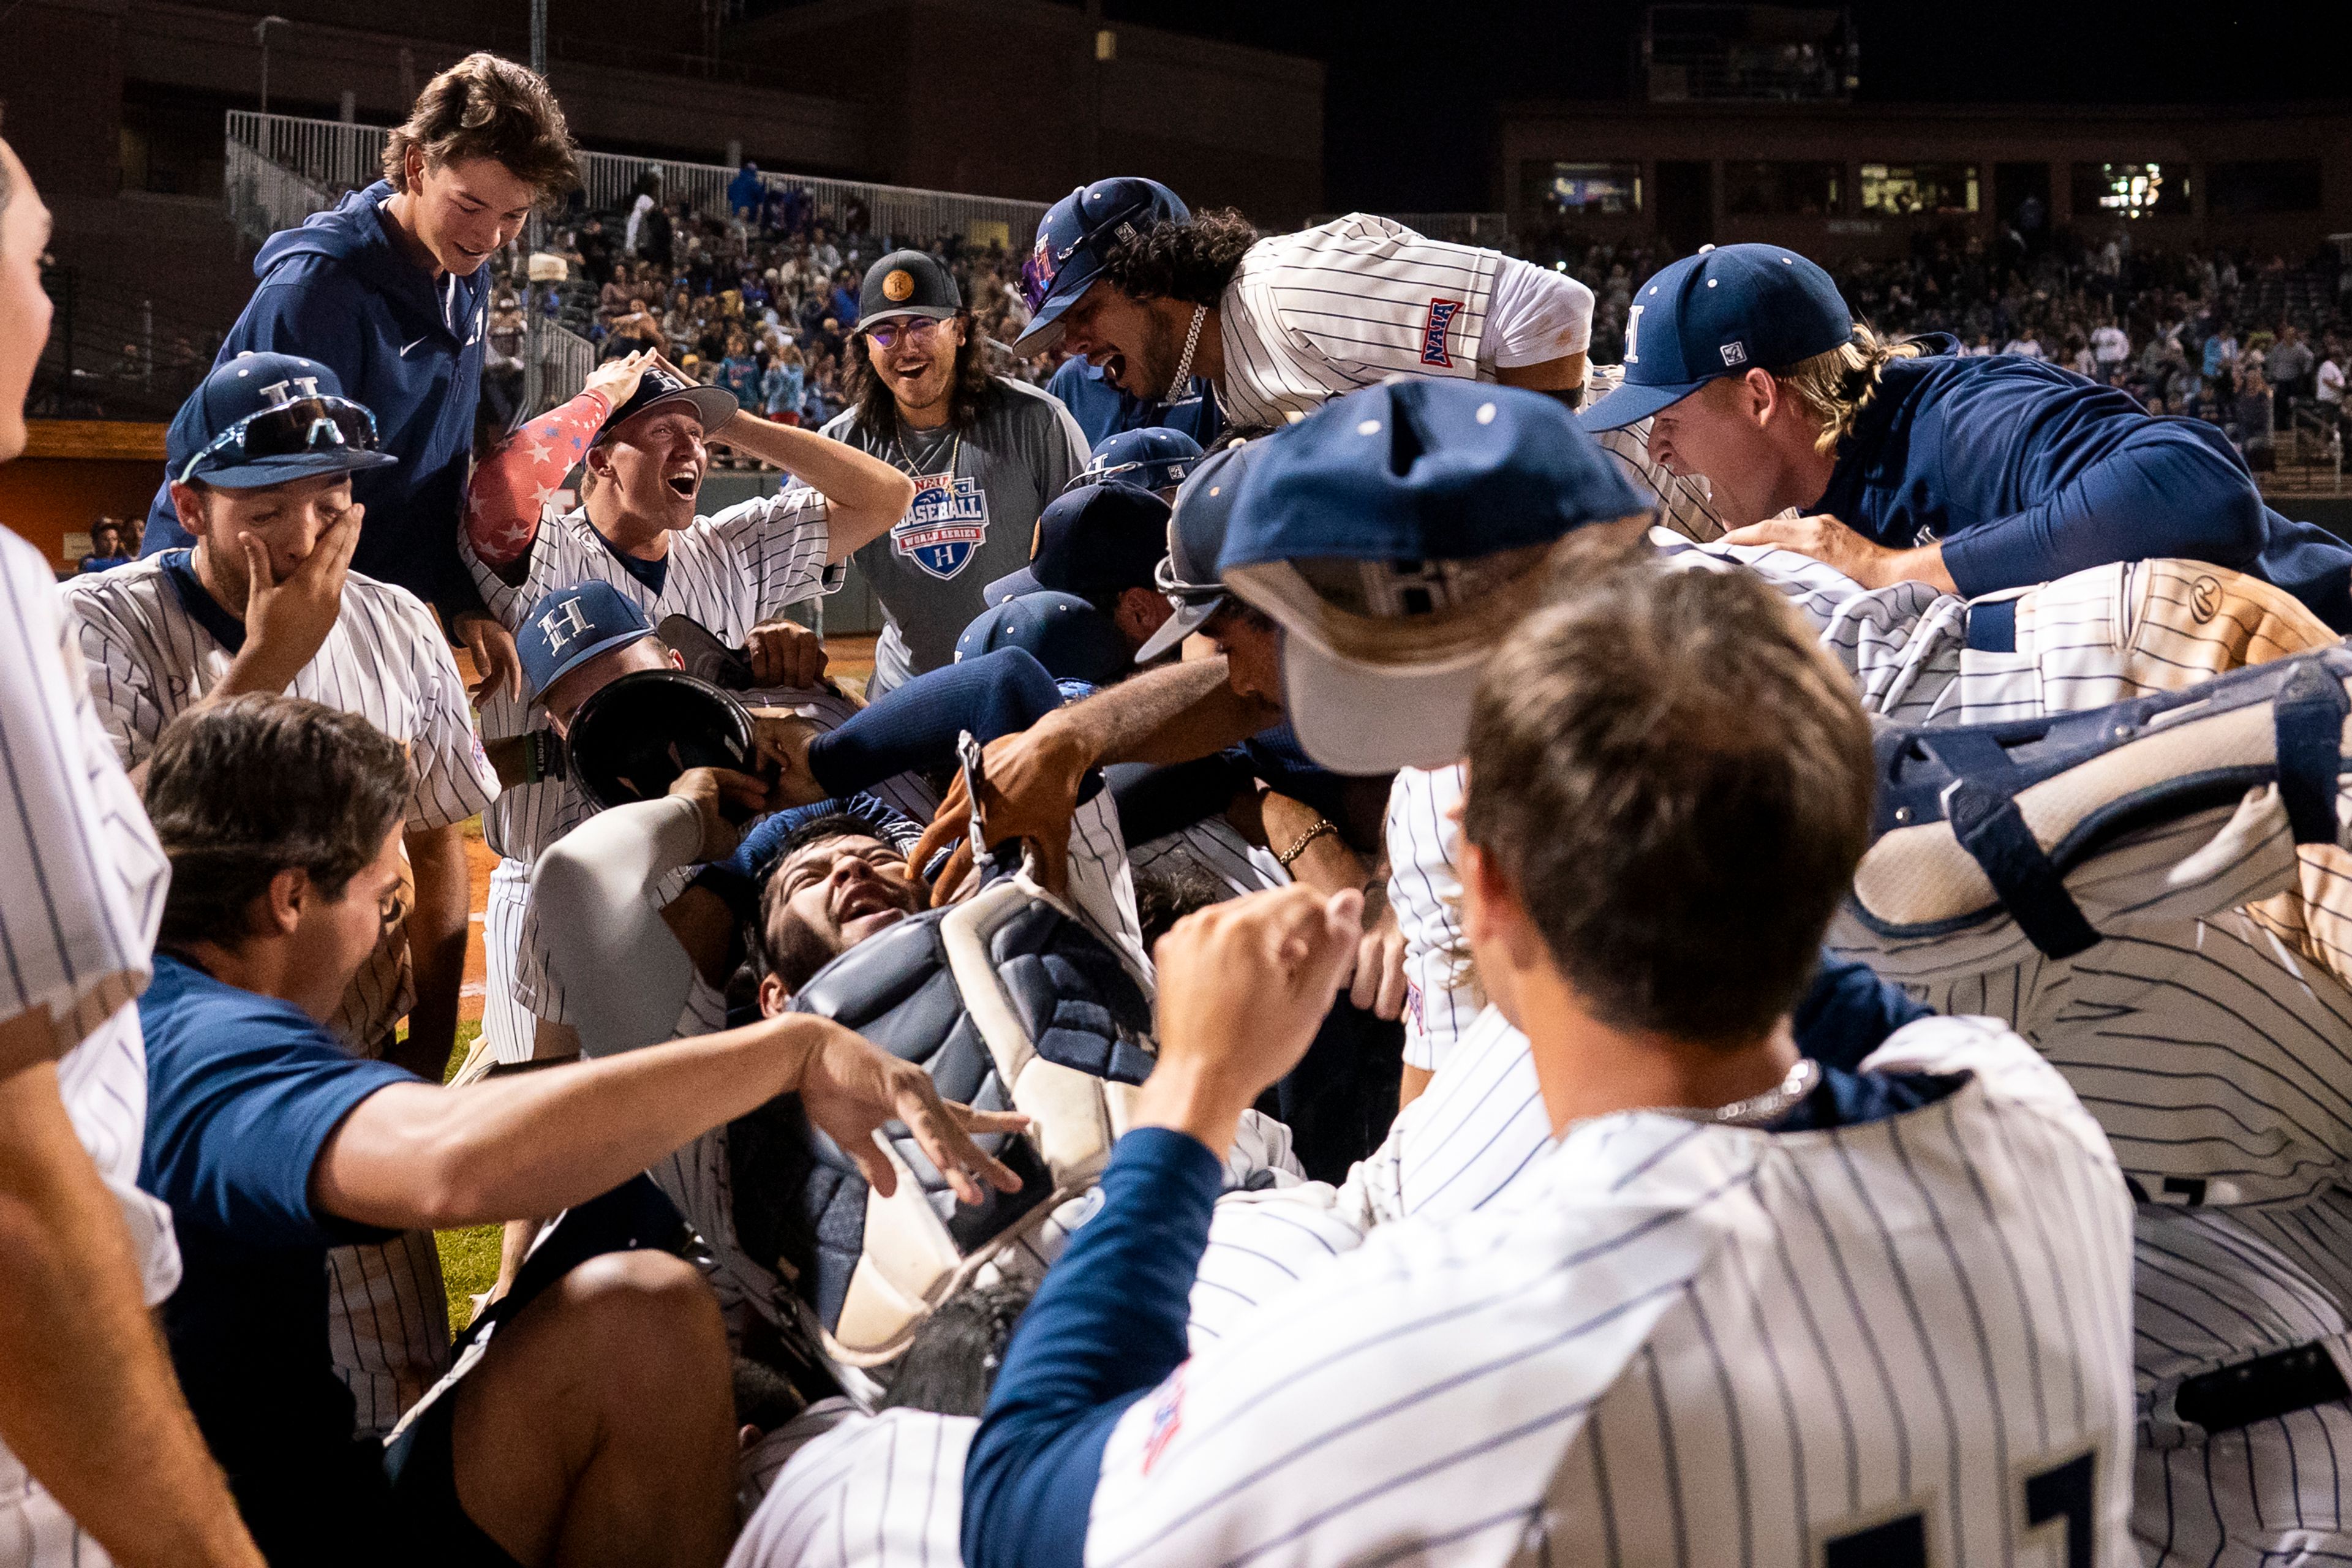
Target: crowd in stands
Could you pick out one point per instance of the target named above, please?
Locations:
(758, 300)
(2243, 340)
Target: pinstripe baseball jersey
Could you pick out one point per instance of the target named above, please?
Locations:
(86, 880)
(1312, 315)
(840, 1489)
(1214, 847)
(1880, 1343)
(156, 644)
(508, 1026)
(697, 1176)
(730, 571)
(1919, 657)
(2213, 1289)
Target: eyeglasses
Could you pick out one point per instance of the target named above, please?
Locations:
(305, 424)
(914, 329)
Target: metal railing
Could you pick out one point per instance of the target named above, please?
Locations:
(265, 195)
(337, 157)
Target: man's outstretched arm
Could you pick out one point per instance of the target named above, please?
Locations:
(87, 1400)
(1170, 715)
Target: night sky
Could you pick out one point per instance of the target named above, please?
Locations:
(1411, 89)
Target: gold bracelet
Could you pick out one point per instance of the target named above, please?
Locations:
(1323, 827)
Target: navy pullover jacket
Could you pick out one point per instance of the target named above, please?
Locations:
(2027, 472)
(340, 290)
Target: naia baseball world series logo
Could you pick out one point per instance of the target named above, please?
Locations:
(1434, 328)
(947, 521)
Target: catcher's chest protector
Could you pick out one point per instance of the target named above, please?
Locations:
(1010, 1004)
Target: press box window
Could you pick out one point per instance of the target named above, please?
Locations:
(1588, 188)
(2131, 190)
(2265, 186)
(1904, 188)
(1772, 190)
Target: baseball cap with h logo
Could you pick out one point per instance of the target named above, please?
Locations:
(571, 625)
(1725, 311)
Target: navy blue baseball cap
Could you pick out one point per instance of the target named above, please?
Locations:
(1070, 637)
(1394, 535)
(659, 386)
(570, 626)
(267, 419)
(1071, 239)
(1196, 535)
(1091, 541)
(1155, 457)
(1727, 310)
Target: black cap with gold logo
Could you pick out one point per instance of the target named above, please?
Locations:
(906, 283)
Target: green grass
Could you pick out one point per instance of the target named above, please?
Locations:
(469, 1258)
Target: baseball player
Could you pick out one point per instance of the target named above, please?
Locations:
(1678, 1305)
(1910, 461)
(269, 1141)
(97, 1450)
(100, 1460)
(261, 458)
(640, 432)
(986, 454)
(2136, 1022)
(1278, 325)
(390, 289)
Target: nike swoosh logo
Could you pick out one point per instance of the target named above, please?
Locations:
(403, 352)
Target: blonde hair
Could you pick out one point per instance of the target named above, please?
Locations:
(1836, 387)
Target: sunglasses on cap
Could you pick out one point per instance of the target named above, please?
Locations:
(305, 425)
(1165, 578)
(1044, 265)
(914, 329)
(1177, 471)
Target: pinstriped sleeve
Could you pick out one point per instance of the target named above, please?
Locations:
(782, 541)
(120, 686)
(85, 877)
(454, 778)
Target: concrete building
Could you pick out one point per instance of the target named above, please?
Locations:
(116, 106)
(1840, 178)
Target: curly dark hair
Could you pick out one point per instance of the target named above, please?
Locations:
(967, 393)
(1189, 262)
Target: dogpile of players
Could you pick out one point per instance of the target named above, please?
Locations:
(1418, 951)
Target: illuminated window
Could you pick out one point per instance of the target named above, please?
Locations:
(1902, 188)
(1586, 188)
(2130, 190)
(1778, 189)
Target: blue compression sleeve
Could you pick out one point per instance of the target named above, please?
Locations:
(914, 728)
(1107, 1328)
(2161, 492)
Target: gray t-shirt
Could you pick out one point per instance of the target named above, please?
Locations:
(976, 495)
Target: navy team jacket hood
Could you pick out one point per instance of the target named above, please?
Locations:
(338, 289)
